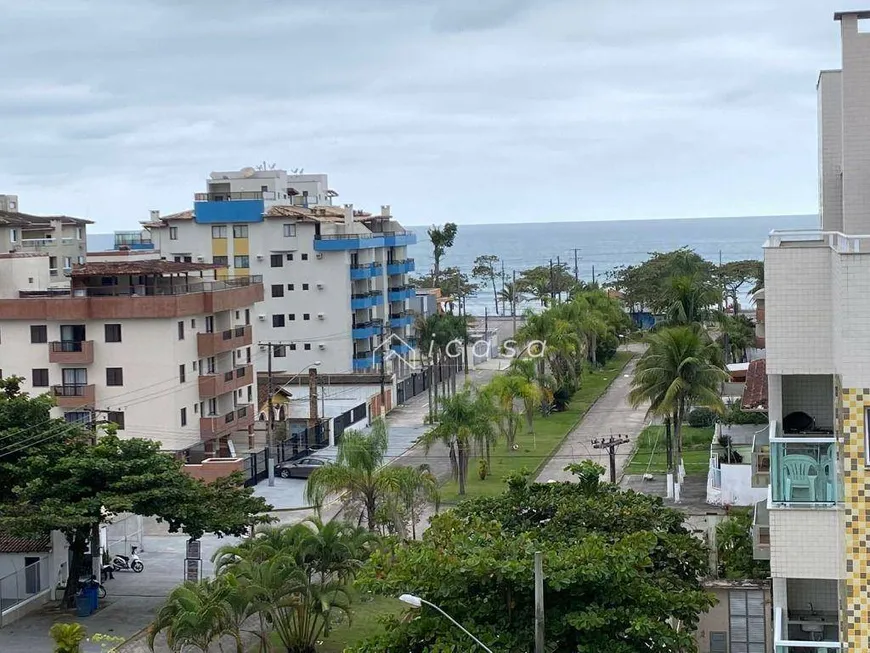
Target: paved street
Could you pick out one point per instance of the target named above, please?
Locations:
(610, 415)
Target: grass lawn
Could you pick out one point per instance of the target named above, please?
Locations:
(366, 610)
(696, 451)
(550, 432)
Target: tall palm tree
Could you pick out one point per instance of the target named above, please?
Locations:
(464, 421)
(510, 295)
(417, 487)
(194, 615)
(509, 392)
(442, 239)
(681, 368)
(526, 369)
(358, 471)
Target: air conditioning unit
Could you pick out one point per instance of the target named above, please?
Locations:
(321, 316)
(319, 255)
(320, 285)
(262, 347)
(262, 317)
(200, 257)
(321, 346)
(260, 257)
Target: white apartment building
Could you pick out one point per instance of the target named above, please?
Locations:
(815, 524)
(62, 238)
(162, 349)
(335, 279)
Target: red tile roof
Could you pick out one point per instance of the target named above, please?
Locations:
(10, 544)
(755, 392)
(150, 266)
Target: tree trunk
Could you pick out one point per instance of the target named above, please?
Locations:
(463, 466)
(495, 294)
(370, 513)
(488, 463)
(454, 463)
(432, 406)
(434, 384)
(436, 270)
(77, 546)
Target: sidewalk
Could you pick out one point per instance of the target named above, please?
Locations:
(610, 415)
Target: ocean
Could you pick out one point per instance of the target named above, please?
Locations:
(601, 246)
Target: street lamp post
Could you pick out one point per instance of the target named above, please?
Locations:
(416, 602)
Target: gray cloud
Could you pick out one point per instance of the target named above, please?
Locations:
(480, 111)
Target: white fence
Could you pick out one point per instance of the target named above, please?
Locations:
(124, 532)
(22, 585)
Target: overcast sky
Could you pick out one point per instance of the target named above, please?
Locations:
(474, 111)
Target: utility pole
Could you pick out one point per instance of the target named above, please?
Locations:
(503, 281)
(610, 445)
(577, 266)
(593, 275)
(539, 602)
(552, 289)
(270, 424)
(558, 286)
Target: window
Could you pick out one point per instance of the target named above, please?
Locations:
(221, 260)
(291, 287)
(292, 346)
(247, 352)
(219, 231)
(195, 408)
(278, 320)
(250, 393)
(74, 376)
(40, 378)
(305, 257)
(291, 317)
(67, 263)
(290, 256)
(289, 230)
(240, 231)
(113, 332)
(79, 233)
(307, 346)
(746, 609)
(193, 366)
(81, 260)
(209, 323)
(193, 323)
(304, 286)
(77, 417)
(277, 290)
(276, 261)
(210, 363)
(114, 376)
(13, 235)
(247, 316)
(241, 262)
(182, 377)
(280, 351)
(184, 416)
(306, 316)
(181, 330)
(212, 406)
(264, 189)
(173, 233)
(38, 333)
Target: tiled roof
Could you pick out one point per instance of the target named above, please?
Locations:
(10, 544)
(755, 392)
(15, 219)
(150, 266)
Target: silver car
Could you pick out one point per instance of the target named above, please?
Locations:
(301, 468)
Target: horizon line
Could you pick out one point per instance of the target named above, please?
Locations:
(707, 217)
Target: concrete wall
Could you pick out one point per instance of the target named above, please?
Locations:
(735, 487)
(830, 114)
(807, 543)
(23, 272)
(811, 394)
(856, 127)
(212, 469)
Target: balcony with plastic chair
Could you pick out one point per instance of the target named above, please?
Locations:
(803, 470)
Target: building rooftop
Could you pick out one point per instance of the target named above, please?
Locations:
(145, 267)
(860, 14)
(12, 544)
(755, 391)
(14, 219)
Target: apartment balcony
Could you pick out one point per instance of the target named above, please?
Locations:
(366, 271)
(342, 242)
(74, 395)
(238, 419)
(400, 267)
(367, 330)
(366, 300)
(761, 531)
(225, 208)
(214, 385)
(135, 240)
(401, 293)
(38, 244)
(366, 362)
(399, 238)
(68, 352)
(399, 320)
(210, 344)
(761, 456)
(402, 348)
(806, 630)
(803, 470)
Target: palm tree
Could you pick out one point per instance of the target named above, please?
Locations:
(681, 368)
(464, 421)
(507, 390)
(689, 299)
(358, 471)
(526, 369)
(510, 295)
(194, 615)
(442, 239)
(417, 487)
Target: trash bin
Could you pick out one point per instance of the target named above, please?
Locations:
(83, 605)
(94, 596)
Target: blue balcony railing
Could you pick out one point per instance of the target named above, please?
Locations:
(339, 242)
(399, 238)
(366, 362)
(401, 267)
(399, 320)
(401, 293)
(366, 271)
(803, 470)
(402, 347)
(366, 330)
(367, 300)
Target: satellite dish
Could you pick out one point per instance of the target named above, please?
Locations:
(248, 172)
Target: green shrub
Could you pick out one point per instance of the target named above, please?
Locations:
(735, 415)
(605, 348)
(701, 417)
(482, 469)
(67, 637)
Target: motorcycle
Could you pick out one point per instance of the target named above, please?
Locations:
(107, 572)
(120, 562)
(92, 582)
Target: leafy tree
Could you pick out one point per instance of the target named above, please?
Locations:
(510, 295)
(485, 270)
(465, 421)
(442, 239)
(734, 275)
(734, 544)
(511, 393)
(546, 283)
(681, 368)
(358, 471)
(740, 333)
(194, 616)
(54, 478)
(621, 572)
(417, 487)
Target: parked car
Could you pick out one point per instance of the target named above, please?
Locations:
(301, 468)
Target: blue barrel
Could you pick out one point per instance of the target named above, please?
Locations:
(83, 605)
(94, 598)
